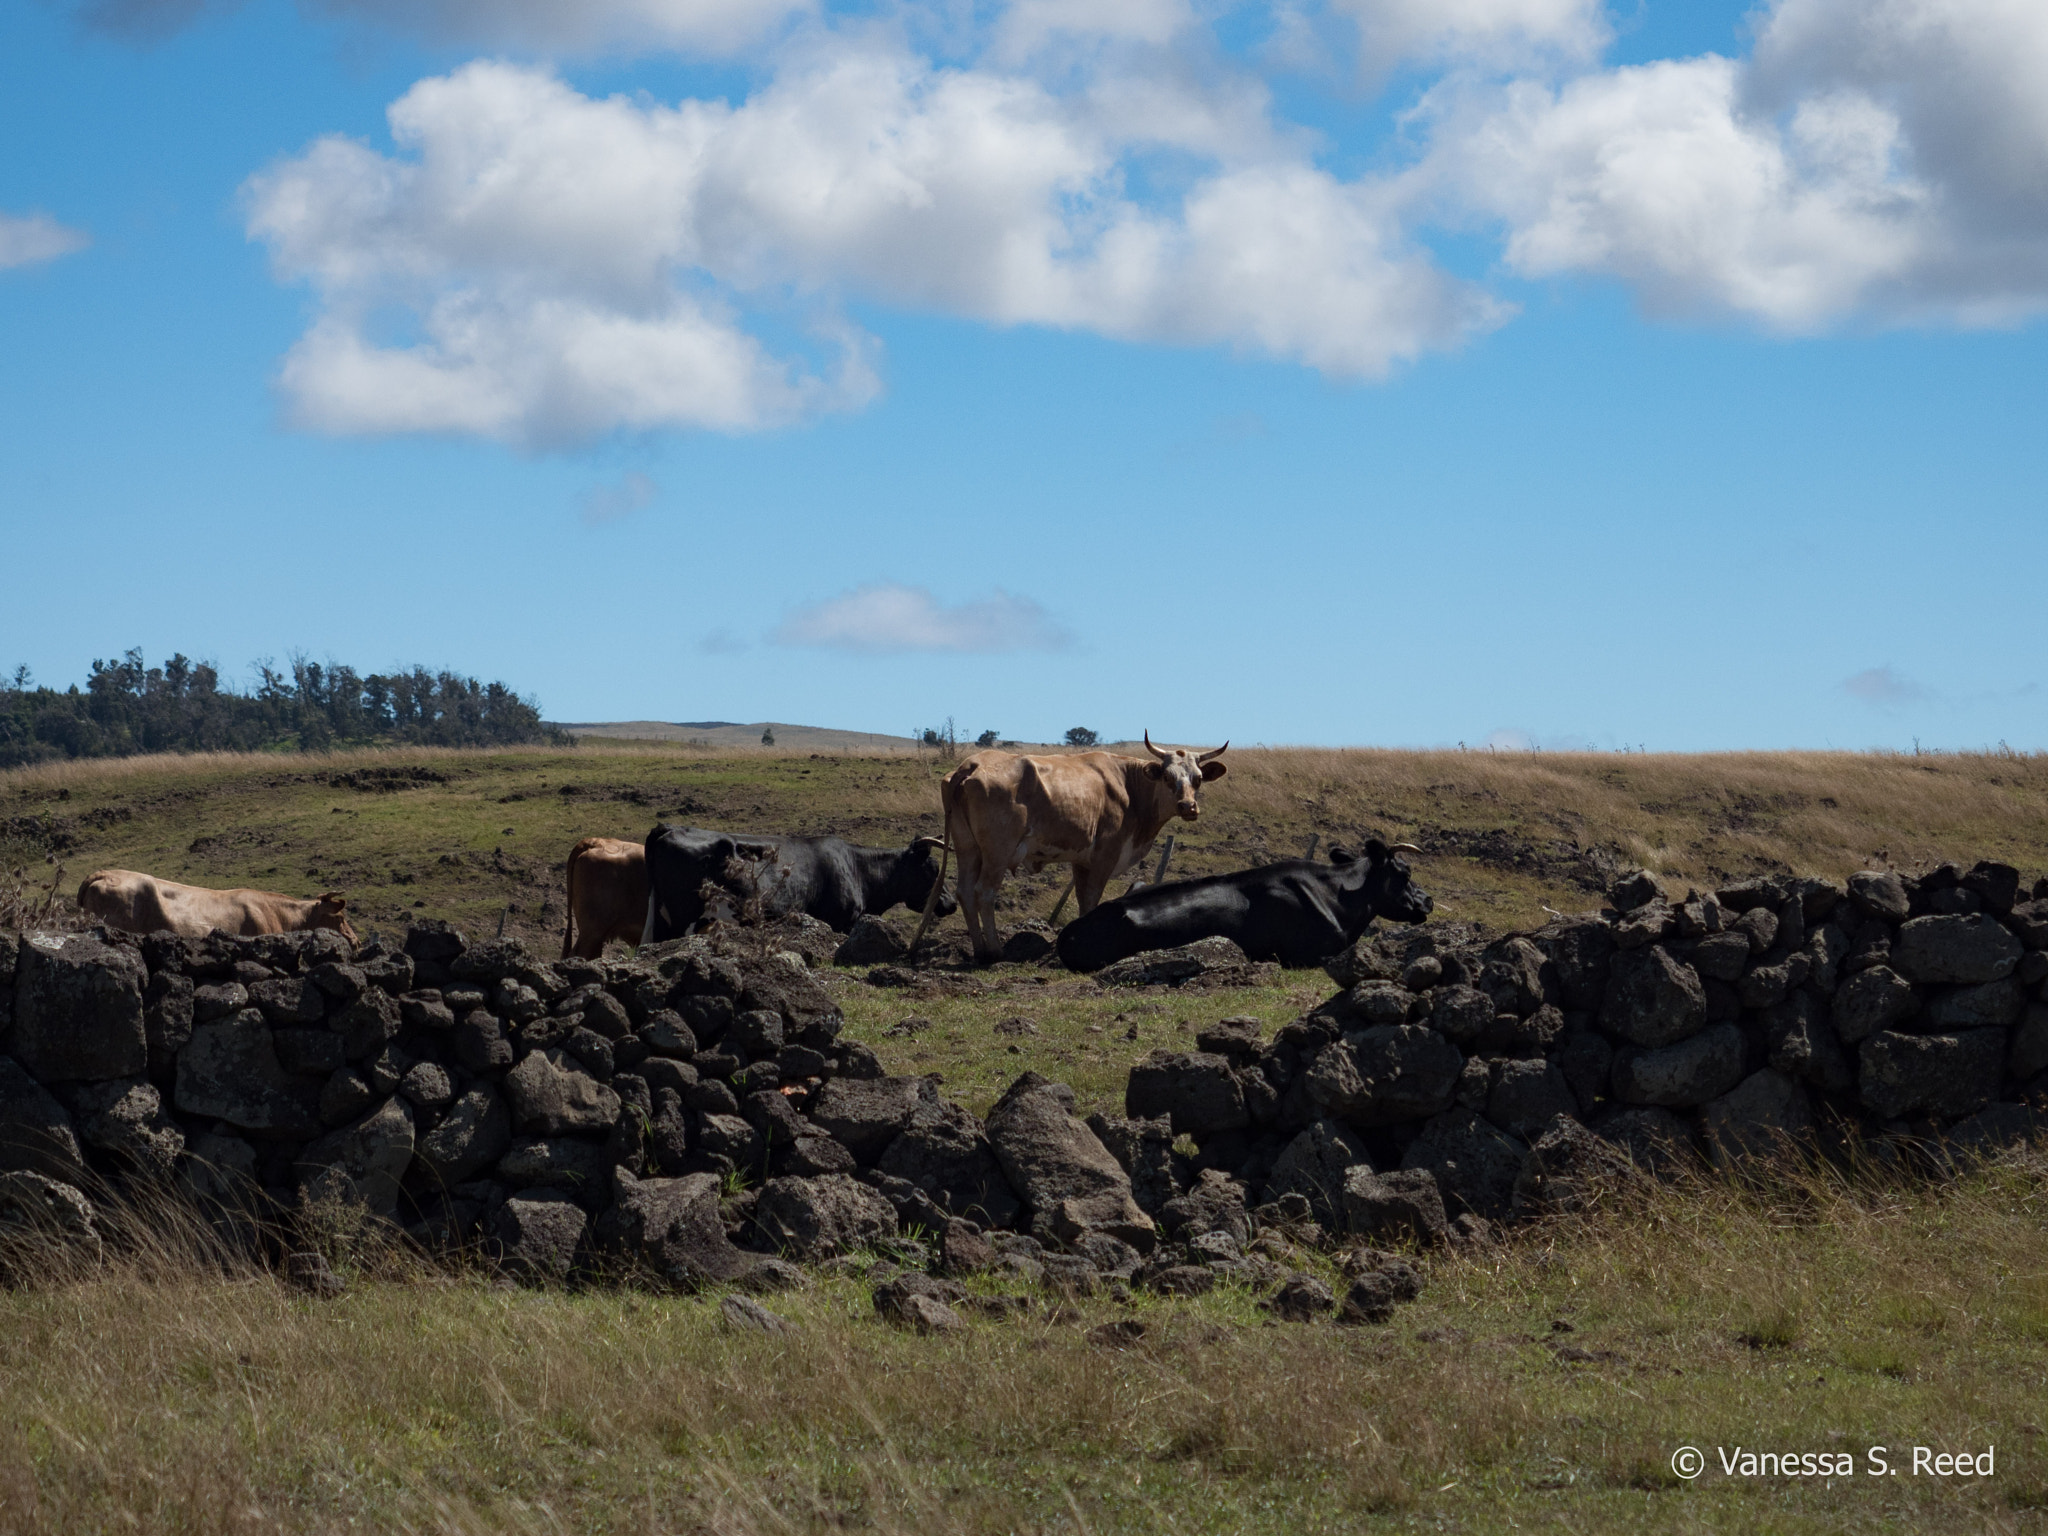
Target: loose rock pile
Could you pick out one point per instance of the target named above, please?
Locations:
(693, 1115)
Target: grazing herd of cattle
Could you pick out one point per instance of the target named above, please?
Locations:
(1097, 812)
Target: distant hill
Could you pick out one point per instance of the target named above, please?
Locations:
(793, 738)
(727, 733)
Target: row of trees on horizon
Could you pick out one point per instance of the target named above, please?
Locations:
(127, 707)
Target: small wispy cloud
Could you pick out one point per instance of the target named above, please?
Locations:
(28, 239)
(721, 642)
(889, 617)
(1883, 686)
(608, 503)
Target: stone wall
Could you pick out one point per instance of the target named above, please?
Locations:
(1889, 1016)
(577, 1118)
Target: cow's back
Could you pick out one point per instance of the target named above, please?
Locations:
(1064, 801)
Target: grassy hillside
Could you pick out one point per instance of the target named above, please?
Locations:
(479, 837)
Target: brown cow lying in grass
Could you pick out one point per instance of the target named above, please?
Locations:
(607, 879)
(139, 903)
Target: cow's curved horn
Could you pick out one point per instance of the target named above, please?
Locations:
(928, 842)
(1204, 757)
(1404, 848)
(1164, 757)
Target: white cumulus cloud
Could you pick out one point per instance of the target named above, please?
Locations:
(561, 266)
(888, 617)
(26, 239)
(1884, 159)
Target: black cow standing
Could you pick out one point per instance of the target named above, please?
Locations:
(826, 877)
(1296, 912)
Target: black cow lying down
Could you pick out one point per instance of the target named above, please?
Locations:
(1296, 912)
(826, 877)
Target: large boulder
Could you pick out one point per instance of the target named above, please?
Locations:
(1871, 1000)
(1475, 1163)
(1196, 1090)
(821, 1218)
(78, 1009)
(1211, 960)
(1987, 1005)
(127, 1119)
(1764, 1115)
(1460, 1013)
(167, 1008)
(1962, 947)
(1679, 1076)
(361, 1163)
(1314, 1165)
(1388, 1075)
(1653, 999)
(1144, 1148)
(1944, 1076)
(866, 1116)
(1880, 894)
(1566, 1170)
(537, 1232)
(673, 1229)
(471, 1136)
(945, 1152)
(1064, 1174)
(551, 1095)
(1403, 1206)
(1525, 1096)
(1654, 1139)
(230, 1072)
(52, 1209)
(1583, 955)
(581, 1168)
(36, 1134)
(871, 942)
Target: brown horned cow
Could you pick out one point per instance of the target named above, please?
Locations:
(139, 903)
(1098, 811)
(607, 896)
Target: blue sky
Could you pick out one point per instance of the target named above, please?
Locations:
(1343, 371)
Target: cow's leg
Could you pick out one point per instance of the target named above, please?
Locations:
(979, 880)
(1089, 881)
(647, 928)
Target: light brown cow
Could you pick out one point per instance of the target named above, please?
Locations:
(1098, 811)
(139, 903)
(607, 895)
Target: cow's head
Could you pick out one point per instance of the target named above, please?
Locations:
(917, 867)
(1377, 882)
(331, 911)
(1183, 773)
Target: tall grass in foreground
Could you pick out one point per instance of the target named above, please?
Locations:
(163, 1389)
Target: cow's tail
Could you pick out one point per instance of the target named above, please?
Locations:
(948, 793)
(569, 922)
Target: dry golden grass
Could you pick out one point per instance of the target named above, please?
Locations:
(1816, 1314)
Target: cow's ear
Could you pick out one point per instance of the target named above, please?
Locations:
(1155, 770)
(1213, 770)
(335, 900)
(1375, 850)
(1339, 854)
